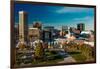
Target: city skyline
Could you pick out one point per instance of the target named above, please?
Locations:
(47, 34)
(57, 16)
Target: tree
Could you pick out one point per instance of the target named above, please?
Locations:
(39, 50)
(22, 46)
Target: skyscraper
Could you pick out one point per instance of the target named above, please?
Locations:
(23, 27)
(34, 34)
(81, 26)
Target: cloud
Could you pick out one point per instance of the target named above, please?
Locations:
(83, 19)
(72, 10)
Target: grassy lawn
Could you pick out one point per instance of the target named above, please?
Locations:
(81, 53)
(51, 57)
(47, 62)
(78, 56)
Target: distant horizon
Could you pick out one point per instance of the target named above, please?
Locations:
(56, 16)
(59, 28)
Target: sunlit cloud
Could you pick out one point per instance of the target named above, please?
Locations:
(84, 18)
(72, 10)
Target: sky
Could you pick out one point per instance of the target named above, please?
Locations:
(57, 16)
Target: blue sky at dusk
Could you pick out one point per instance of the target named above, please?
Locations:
(56, 15)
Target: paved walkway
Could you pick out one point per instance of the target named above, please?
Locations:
(68, 59)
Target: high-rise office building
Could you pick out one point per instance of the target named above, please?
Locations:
(34, 33)
(81, 26)
(23, 27)
(49, 28)
(47, 36)
(64, 30)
